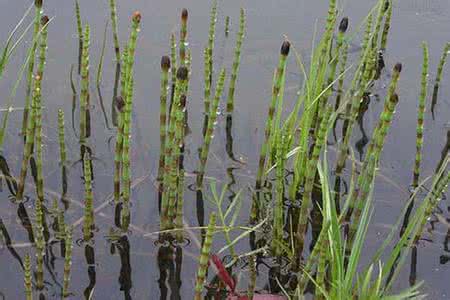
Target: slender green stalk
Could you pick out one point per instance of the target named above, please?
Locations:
(126, 168)
(252, 281)
(113, 9)
(33, 127)
(84, 96)
(40, 247)
(173, 70)
(61, 137)
(183, 36)
(227, 25)
(211, 39)
(321, 265)
(442, 63)
(278, 218)
(210, 129)
(28, 278)
(236, 62)
(80, 34)
(31, 61)
(309, 180)
(38, 108)
(387, 25)
(365, 179)
(88, 199)
(102, 55)
(207, 83)
(180, 169)
(120, 106)
(421, 115)
(204, 257)
(67, 262)
(165, 66)
(270, 123)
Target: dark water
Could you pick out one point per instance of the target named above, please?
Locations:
(141, 269)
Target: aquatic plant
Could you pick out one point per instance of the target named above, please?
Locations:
(88, 224)
(84, 96)
(204, 257)
(28, 278)
(165, 67)
(236, 62)
(113, 10)
(67, 262)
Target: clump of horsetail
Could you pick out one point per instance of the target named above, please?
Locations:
(84, 96)
(420, 116)
(126, 176)
(269, 130)
(165, 66)
(67, 262)
(310, 177)
(88, 199)
(113, 9)
(387, 25)
(236, 62)
(31, 62)
(227, 25)
(183, 36)
(172, 151)
(278, 219)
(120, 105)
(80, 34)
(438, 79)
(204, 257)
(210, 129)
(32, 126)
(27, 278)
(366, 177)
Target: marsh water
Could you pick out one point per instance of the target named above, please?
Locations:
(136, 266)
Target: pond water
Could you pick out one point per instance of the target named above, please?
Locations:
(139, 268)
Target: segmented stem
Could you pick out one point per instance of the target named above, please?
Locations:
(67, 262)
(28, 278)
(183, 36)
(113, 9)
(165, 66)
(88, 199)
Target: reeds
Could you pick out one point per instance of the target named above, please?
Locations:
(165, 67)
(236, 62)
(420, 115)
(80, 35)
(438, 79)
(28, 278)
(31, 62)
(204, 257)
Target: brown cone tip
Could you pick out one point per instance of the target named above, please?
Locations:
(285, 48)
(386, 5)
(38, 3)
(394, 98)
(137, 17)
(165, 62)
(184, 14)
(182, 73)
(120, 103)
(343, 26)
(44, 20)
(398, 67)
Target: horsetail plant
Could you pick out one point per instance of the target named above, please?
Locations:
(211, 39)
(120, 105)
(126, 176)
(365, 179)
(84, 96)
(32, 126)
(309, 180)
(61, 137)
(210, 129)
(173, 70)
(88, 199)
(28, 278)
(387, 25)
(207, 84)
(183, 36)
(40, 248)
(165, 67)
(80, 34)
(67, 262)
(421, 115)
(438, 79)
(269, 130)
(204, 257)
(113, 9)
(227, 25)
(31, 62)
(236, 62)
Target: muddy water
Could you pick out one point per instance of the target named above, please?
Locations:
(140, 269)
